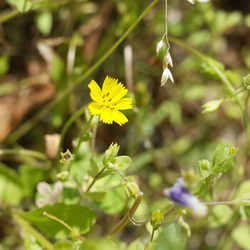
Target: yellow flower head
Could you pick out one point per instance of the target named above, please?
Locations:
(109, 100)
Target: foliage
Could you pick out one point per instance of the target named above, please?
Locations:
(154, 160)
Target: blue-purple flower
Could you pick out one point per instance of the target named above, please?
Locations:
(183, 198)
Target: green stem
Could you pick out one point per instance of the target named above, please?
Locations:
(84, 132)
(24, 152)
(116, 170)
(36, 118)
(95, 179)
(26, 226)
(65, 225)
(66, 127)
(229, 87)
(127, 216)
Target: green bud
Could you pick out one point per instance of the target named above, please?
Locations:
(203, 167)
(87, 136)
(66, 157)
(150, 246)
(110, 153)
(246, 82)
(223, 157)
(156, 219)
(132, 189)
(211, 106)
(63, 176)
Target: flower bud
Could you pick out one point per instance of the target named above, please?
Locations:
(87, 136)
(132, 189)
(159, 47)
(66, 157)
(165, 76)
(211, 106)
(63, 176)
(183, 198)
(110, 153)
(156, 219)
(246, 82)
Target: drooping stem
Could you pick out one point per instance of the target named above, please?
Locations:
(65, 225)
(127, 216)
(24, 152)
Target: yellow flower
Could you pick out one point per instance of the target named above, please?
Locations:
(109, 100)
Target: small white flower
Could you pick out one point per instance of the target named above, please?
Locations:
(203, 1)
(169, 59)
(165, 76)
(50, 196)
(191, 1)
(159, 46)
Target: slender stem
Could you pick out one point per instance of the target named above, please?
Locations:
(36, 118)
(24, 152)
(39, 237)
(95, 179)
(127, 216)
(120, 175)
(72, 119)
(230, 88)
(152, 235)
(64, 224)
(84, 132)
(233, 202)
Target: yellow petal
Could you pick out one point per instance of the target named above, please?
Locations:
(95, 92)
(94, 108)
(125, 103)
(113, 90)
(119, 117)
(106, 116)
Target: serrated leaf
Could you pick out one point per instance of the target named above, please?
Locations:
(80, 218)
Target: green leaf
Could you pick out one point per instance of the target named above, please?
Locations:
(208, 70)
(11, 189)
(22, 5)
(63, 245)
(221, 215)
(93, 171)
(241, 234)
(171, 238)
(223, 157)
(30, 177)
(96, 196)
(122, 162)
(44, 22)
(80, 218)
(114, 201)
